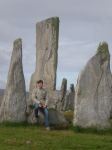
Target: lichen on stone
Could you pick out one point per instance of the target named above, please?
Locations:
(103, 51)
(103, 47)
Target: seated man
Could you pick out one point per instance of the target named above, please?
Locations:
(39, 97)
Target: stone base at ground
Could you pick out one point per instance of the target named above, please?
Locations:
(56, 119)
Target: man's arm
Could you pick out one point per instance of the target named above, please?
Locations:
(34, 97)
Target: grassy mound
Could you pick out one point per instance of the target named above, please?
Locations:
(69, 116)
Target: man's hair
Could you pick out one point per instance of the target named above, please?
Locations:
(39, 81)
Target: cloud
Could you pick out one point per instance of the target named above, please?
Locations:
(83, 24)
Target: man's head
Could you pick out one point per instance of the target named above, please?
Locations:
(39, 84)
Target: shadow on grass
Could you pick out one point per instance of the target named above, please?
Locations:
(22, 124)
(25, 124)
(91, 130)
(76, 129)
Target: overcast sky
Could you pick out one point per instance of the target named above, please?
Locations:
(83, 24)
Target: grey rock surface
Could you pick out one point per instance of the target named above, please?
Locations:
(69, 100)
(13, 106)
(1, 95)
(47, 33)
(56, 119)
(62, 93)
(63, 88)
(54, 98)
(93, 98)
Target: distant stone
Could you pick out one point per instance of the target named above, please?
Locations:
(65, 98)
(69, 99)
(64, 88)
(93, 99)
(13, 106)
(63, 91)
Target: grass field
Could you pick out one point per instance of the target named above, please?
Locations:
(24, 137)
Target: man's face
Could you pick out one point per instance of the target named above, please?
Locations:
(40, 85)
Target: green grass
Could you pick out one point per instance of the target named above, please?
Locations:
(32, 137)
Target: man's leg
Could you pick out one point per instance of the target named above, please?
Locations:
(36, 110)
(46, 116)
(44, 111)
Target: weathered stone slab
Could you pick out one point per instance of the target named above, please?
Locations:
(93, 99)
(47, 32)
(13, 106)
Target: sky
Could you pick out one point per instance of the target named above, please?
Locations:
(83, 25)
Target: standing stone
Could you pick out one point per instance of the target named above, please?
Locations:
(64, 88)
(93, 100)
(65, 106)
(1, 95)
(63, 91)
(47, 32)
(54, 98)
(69, 99)
(13, 106)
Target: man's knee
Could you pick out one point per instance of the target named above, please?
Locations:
(36, 106)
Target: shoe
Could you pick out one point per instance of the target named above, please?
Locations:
(48, 128)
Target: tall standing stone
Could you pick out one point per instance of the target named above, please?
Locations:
(13, 106)
(93, 100)
(47, 32)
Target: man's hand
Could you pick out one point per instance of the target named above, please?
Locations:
(45, 106)
(42, 102)
(40, 105)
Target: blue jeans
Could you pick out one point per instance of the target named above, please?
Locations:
(44, 112)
